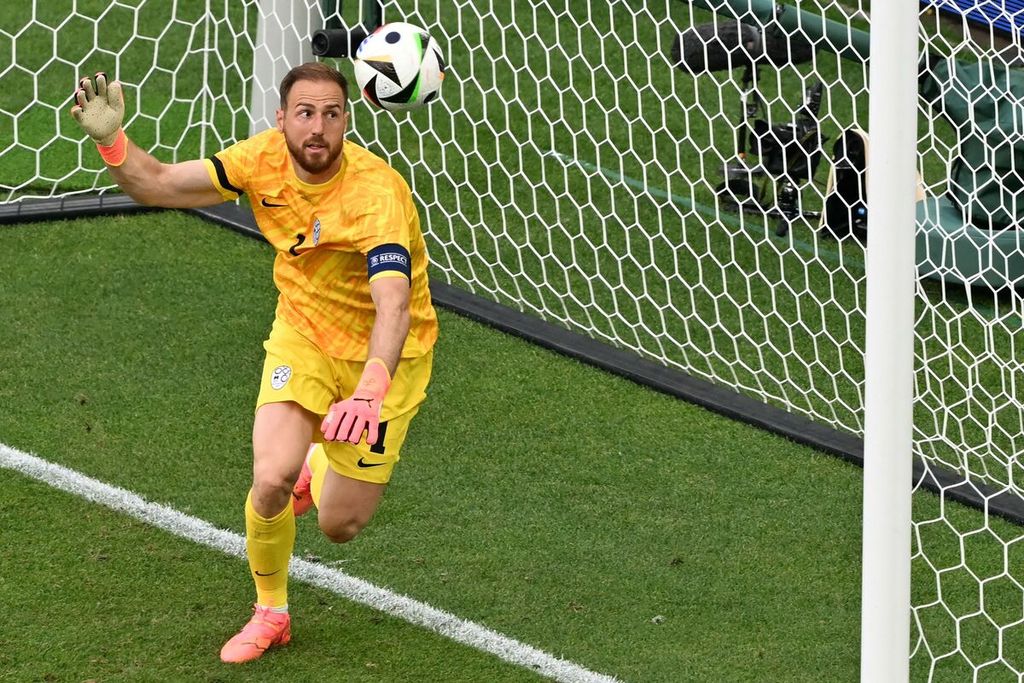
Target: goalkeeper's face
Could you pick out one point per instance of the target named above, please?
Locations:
(314, 125)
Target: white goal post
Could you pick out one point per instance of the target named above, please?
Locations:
(889, 345)
(282, 41)
(683, 182)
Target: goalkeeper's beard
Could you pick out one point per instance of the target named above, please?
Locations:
(314, 164)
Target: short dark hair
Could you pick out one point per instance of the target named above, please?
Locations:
(312, 71)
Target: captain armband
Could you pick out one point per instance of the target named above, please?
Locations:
(388, 259)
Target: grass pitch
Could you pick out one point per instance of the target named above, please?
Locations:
(569, 509)
(599, 521)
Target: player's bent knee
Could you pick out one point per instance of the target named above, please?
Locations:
(270, 494)
(341, 531)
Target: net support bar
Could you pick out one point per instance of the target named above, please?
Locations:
(279, 47)
(889, 361)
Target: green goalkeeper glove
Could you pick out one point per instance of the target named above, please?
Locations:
(100, 110)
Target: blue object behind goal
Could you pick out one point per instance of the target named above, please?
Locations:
(1006, 16)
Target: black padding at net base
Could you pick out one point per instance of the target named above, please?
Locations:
(63, 208)
(947, 484)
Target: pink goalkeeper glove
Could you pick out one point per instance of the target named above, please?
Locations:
(347, 419)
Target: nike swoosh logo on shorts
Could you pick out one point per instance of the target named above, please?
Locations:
(362, 463)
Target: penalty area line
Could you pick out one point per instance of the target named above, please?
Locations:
(355, 589)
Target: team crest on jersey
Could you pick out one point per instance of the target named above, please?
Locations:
(316, 232)
(280, 376)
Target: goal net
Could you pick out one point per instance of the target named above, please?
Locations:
(682, 180)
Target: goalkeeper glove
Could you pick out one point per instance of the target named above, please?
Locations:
(100, 111)
(347, 420)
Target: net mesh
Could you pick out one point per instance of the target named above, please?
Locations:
(572, 170)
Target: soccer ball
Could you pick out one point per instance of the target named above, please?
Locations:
(399, 67)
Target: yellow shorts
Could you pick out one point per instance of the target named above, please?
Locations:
(296, 370)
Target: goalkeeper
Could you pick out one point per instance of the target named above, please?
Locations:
(349, 353)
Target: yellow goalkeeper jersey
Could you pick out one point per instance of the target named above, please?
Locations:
(332, 239)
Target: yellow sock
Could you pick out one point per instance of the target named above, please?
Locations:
(318, 466)
(269, 543)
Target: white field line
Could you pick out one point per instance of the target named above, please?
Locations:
(230, 543)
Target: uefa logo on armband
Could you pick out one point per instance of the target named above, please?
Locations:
(280, 376)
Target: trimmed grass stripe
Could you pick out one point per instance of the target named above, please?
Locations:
(364, 592)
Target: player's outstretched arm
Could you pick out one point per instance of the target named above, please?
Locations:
(99, 110)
